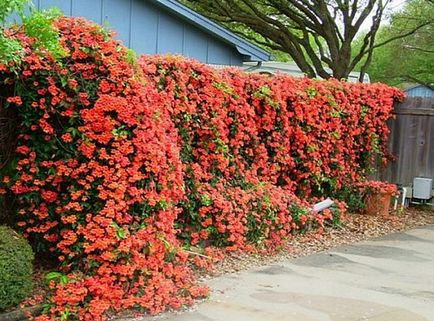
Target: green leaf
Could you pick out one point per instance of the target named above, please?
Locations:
(53, 276)
(63, 279)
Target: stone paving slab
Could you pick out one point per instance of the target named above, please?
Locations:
(390, 278)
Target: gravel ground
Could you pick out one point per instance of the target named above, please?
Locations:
(357, 227)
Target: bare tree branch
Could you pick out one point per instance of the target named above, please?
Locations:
(315, 33)
(409, 33)
(418, 49)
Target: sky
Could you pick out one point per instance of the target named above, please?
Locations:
(394, 6)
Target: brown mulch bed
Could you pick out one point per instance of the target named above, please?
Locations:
(357, 227)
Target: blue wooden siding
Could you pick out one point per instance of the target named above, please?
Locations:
(91, 9)
(420, 91)
(149, 29)
(117, 15)
(64, 5)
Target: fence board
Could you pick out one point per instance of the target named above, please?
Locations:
(411, 141)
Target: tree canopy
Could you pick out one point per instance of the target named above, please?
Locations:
(409, 59)
(315, 33)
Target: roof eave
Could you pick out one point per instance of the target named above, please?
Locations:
(249, 51)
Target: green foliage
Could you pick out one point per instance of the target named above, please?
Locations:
(317, 35)
(7, 7)
(131, 57)
(10, 50)
(57, 277)
(16, 258)
(352, 197)
(37, 25)
(415, 61)
(336, 219)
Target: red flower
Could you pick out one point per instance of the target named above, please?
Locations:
(116, 163)
(15, 100)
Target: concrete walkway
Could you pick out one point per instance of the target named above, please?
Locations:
(387, 279)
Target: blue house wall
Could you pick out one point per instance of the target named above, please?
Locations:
(420, 91)
(147, 27)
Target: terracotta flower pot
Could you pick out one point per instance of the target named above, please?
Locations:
(378, 204)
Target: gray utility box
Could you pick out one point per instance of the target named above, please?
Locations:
(422, 188)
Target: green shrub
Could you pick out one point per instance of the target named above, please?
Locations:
(352, 197)
(16, 258)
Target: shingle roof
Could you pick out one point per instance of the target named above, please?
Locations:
(413, 86)
(251, 51)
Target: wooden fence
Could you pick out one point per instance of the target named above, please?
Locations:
(411, 141)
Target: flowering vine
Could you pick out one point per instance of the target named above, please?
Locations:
(117, 161)
(254, 145)
(97, 177)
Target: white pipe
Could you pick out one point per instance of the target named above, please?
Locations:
(395, 203)
(318, 207)
(403, 193)
(404, 196)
